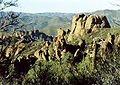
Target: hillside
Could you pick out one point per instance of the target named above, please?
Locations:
(87, 54)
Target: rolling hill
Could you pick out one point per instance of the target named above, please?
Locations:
(49, 22)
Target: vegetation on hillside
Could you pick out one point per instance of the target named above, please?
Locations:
(41, 72)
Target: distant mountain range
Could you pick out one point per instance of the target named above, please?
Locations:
(49, 22)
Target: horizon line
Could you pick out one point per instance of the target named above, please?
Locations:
(61, 12)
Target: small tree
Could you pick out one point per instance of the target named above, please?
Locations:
(7, 21)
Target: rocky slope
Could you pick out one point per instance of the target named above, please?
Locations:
(87, 54)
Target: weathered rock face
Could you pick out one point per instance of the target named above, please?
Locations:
(17, 48)
(85, 24)
(96, 21)
(78, 24)
(43, 53)
(59, 44)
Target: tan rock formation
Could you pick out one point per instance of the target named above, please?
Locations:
(110, 38)
(16, 49)
(38, 54)
(9, 51)
(61, 32)
(96, 21)
(85, 24)
(59, 45)
(117, 41)
(19, 48)
(20, 42)
(43, 53)
(77, 24)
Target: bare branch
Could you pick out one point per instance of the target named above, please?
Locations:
(8, 20)
(5, 4)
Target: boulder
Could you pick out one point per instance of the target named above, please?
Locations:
(81, 43)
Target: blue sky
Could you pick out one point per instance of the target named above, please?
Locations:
(66, 6)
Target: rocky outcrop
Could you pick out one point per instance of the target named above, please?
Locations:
(61, 32)
(43, 53)
(59, 44)
(78, 24)
(101, 46)
(96, 21)
(106, 45)
(32, 35)
(4, 36)
(59, 48)
(117, 40)
(16, 49)
(9, 51)
(20, 45)
(88, 23)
